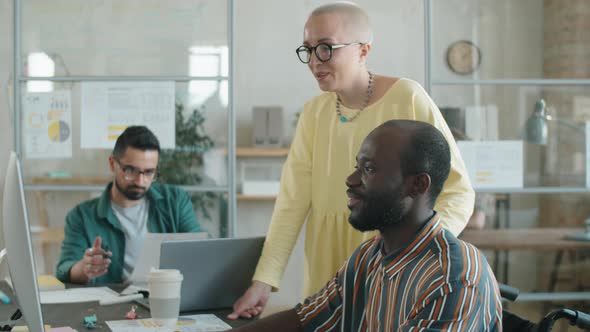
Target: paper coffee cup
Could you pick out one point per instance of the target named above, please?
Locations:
(164, 287)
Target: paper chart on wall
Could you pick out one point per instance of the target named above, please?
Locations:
(110, 107)
(493, 164)
(47, 125)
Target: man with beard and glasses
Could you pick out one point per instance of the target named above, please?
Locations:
(103, 236)
(416, 275)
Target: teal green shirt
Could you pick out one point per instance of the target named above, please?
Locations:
(170, 211)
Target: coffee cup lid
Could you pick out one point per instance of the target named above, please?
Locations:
(164, 275)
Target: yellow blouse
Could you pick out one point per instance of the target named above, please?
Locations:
(322, 155)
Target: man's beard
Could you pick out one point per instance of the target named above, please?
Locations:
(378, 212)
(129, 193)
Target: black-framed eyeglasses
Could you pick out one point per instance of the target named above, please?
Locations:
(323, 51)
(131, 173)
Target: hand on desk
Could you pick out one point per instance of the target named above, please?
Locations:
(252, 303)
(95, 263)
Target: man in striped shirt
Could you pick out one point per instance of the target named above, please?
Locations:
(415, 276)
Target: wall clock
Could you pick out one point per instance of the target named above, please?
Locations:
(463, 57)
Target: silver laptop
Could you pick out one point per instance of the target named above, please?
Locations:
(216, 271)
(149, 255)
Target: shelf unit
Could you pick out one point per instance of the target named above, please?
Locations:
(261, 152)
(431, 81)
(535, 190)
(97, 183)
(537, 82)
(493, 76)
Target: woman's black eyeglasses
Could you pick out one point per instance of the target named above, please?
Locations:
(322, 51)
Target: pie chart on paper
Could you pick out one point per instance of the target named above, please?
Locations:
(58, 131)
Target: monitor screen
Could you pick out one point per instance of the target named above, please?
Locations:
(17, 240)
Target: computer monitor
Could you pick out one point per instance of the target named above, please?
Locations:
(17, 240)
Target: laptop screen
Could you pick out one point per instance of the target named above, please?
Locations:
(216, 271)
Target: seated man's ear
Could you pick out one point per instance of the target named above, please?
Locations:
(418, 184)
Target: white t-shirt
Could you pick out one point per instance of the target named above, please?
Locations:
(133, 220)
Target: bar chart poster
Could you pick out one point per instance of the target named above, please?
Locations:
(493, 164)
(108, 108)
(48, 125)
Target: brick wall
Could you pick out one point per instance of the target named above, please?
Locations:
(566, 55)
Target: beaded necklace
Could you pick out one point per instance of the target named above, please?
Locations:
(344, 119)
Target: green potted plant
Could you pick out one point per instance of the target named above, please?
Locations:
(181, 165)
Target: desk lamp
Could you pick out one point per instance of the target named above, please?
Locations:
(537, 133)
(536, 124)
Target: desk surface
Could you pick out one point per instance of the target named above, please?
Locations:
(524, 239)
(72, 314)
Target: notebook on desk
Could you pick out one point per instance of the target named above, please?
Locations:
(48, 282)
(216, 271)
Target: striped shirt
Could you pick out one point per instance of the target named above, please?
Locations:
(436, 283)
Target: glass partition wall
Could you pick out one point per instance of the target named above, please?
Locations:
(85, 69)
(520, 71)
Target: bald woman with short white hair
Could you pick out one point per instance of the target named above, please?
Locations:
(337, 41)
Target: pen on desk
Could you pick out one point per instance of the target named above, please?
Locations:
(106, 251)
(16, 315)
(14, 319)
